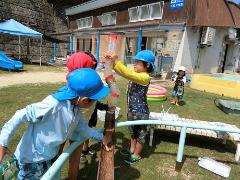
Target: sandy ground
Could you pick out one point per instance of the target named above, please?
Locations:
(31, 77)
(48, 77)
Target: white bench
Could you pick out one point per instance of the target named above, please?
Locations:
(235, 137)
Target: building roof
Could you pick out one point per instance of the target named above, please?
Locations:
(213, 13)
(218, 13)
(90, 5)
(67, 3)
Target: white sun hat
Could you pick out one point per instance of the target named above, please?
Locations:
(182, 68)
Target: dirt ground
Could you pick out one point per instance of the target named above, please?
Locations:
(50, 77)
(31, 77)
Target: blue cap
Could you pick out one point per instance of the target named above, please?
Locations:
(83, 82)
(146, 56)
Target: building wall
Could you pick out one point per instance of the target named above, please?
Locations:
(233, 59)
(38, 15)
(211, 57)
(187, 53)
(201, 60)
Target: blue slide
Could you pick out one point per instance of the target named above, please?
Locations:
(9, 64)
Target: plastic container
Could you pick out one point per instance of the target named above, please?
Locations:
(108, 66)
(214, 166)
(114, 91)
(108, 74)
(112, 39)
(101, 114)
(8, 168)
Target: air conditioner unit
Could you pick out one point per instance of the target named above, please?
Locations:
(208, 36)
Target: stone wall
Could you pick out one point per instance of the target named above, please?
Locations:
(40, 16)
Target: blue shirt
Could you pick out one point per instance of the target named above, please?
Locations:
(50, 123)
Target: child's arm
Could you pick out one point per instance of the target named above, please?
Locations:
(83, 130)
(3, 151)
(32, 113)
(184, 79)
(139, 78)
(10, 127)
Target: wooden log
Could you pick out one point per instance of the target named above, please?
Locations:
(106, 162)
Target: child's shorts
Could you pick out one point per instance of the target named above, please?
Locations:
(34, 171)
(175, 94)
(139, 131)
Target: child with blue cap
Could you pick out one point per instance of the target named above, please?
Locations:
(52, 121)
(137, 99)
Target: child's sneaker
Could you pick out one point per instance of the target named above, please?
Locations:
(89, 152)
(132, 159)
(83, 159)
(126, 152)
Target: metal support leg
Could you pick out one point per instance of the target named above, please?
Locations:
(139, 40)
(225, 137)
(181, 144)
(151, 135)
(98, 47)
(237, 155)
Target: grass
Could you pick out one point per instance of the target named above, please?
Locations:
(159, 160)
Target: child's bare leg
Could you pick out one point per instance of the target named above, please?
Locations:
(74, 161)
(173, 100)
(133, 144)
(85, 146)
(177, 101)
(138, 149)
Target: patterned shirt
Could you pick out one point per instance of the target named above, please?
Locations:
(137, 88)
(179, 85)
(137, 98)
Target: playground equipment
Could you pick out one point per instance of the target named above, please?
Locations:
(9, 64)
(229, 107)
(13, 27)
(156, 93)
(183, 128)
(222, 84)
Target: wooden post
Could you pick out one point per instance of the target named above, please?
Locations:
(106, 162)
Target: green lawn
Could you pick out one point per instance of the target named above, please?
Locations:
(159, 160)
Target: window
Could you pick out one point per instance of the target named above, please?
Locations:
(108, 18)
(85, 22)
(146, 12)
(156, 10)
(133, 14)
